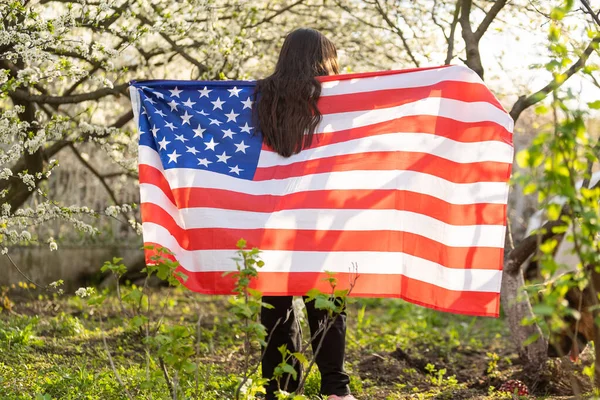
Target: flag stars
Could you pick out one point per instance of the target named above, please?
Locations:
(231, 116)
(201, 112)
(204, 92)
(189, 103)
(158, 95)
(181, 138)
(163, 144)
(241, 147)
(215, 122)
(199, 131)
(234, 92)
(173, 104)
(246, 128)
(223, 158)
(204, 162)
(173, 157)
(211, 145)
(247, 103)
(149, 100)
(186, 118)
(170, 126)
(154, 130)
(228, 133)
(175, 92)
(159, 112)
(191, 150)
(217, 104)
(235, 170)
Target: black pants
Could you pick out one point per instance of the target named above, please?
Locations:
(329, 359)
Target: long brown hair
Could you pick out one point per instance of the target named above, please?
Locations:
(286, 102)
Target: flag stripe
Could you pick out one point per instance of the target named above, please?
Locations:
(400, 144)
(483, 280)
(454, 214)
(458, 131)
(365, 82)
(325, 220)
(455, 193)
(449, 108)
(326, 241)
(463, 91)
(384, 160)
(367, 285)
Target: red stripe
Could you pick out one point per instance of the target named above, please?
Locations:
(364, 101)
(484, 304)
(358, 75)
(465, 132)
(331, 240)
(465, 214)
(452, 171)
(149, 174)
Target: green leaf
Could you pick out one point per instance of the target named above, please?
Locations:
(594, 105)
(531, 339)
(300, 357)
(290, 370)
(543, 309)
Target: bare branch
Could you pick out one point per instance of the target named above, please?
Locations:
(275, 14)
(96, 173)
(489, 17)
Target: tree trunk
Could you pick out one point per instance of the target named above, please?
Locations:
(517, 307)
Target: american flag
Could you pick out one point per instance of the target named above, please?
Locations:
(407, 179)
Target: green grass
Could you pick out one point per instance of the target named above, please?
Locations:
(55, 349)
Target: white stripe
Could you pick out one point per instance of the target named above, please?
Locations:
(329, 219)
(135, 105)
(400, 80)
(454, 193)
(459, 152)
(434, 106)
(313, 261)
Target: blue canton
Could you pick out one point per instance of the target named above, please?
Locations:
(200, 125)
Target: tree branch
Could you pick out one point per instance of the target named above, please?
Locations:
(489, 17)
(525, 102)
(275, 14)
(96, 174)
(77, 98)
(397, 31)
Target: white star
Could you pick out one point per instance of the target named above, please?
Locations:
(215, 122)
(211, 145)
(173, 105)
(246, 128)
(241, 147)
(186, 118)
(141, 132)
(189, 103)
(144, 112)
(228, 133)
(201, 112)
(231, 116)
(217, 104)
(149, 100)
(163, 144)
(175, 92)
(198, 131)
(223, 158)
(170, 126)
(173, 157)
(162, 114)
(235, 169)
(192, 150)
(247, 103)
(204, 92)
(154, 130)
(234, 92)
(204, 161)
(158, 95)
(181, 138)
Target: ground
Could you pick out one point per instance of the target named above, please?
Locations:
(55, 347)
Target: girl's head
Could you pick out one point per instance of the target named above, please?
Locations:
(286, 107)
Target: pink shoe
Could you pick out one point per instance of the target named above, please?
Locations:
(346, 397)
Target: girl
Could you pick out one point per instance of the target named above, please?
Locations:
(287, 114)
